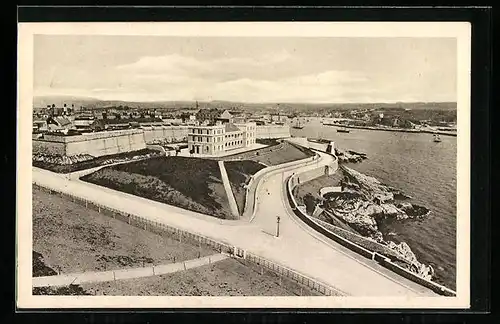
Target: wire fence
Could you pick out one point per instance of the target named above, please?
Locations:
(200, 241)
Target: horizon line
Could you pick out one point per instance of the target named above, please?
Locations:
(244, 102)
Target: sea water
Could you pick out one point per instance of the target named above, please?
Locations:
(421, 168)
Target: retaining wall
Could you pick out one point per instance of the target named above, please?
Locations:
(293, 181)
(95, 144)
(273, 131)
(254, 185)
(251, 154)
(168, 133)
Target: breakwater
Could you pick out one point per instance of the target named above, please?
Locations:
(394, 129)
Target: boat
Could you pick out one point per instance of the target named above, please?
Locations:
(342, 130)
(298, 125)
(437, 138)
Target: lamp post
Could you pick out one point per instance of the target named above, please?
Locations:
(277, 226)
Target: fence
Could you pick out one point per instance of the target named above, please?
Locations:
(194, 238)
(295, 276)
(383, 260)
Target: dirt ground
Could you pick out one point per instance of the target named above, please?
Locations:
(71, 238)
(225, 278)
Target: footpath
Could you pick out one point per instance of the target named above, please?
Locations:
(295, 248)
(131, 273)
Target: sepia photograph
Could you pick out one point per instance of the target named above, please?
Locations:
(243, 165)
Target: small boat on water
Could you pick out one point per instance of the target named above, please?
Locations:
(298, 125)
(342, 130)
(437, 138)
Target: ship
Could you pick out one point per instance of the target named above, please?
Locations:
(437, 138)
(298, 125)
(342, 130)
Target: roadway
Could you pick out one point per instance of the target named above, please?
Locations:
(297, 247)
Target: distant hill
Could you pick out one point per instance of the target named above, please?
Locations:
(93, 103)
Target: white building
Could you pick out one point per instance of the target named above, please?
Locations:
(220, 138)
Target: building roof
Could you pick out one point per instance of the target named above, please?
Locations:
(225, 115)
(231, 128)
(61, 121)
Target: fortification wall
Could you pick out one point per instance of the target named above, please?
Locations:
(168, 133)
(96, 144)
(273, 131)
(107, 145)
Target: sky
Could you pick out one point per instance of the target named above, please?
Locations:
(253, 69)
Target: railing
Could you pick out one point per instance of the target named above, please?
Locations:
(295, 276)
(381, 259)
(197, 239)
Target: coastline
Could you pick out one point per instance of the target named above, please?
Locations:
(365, 225)
(392, 129)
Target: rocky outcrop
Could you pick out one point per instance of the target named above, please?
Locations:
(365, 202)
(349, 156)
(62, 159)
(403, 249)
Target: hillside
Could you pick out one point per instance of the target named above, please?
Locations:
(93, 103)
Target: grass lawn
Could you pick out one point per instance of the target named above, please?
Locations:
(288, 153)
(229, 277)
(98, 161)
(239, 173)
(190, 183)
(68, 238)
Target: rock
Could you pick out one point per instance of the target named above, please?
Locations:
(407, 254)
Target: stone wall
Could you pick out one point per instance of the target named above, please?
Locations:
(95, 144)
(273, 131)
(168, 133)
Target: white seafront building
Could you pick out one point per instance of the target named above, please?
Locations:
(218, 139)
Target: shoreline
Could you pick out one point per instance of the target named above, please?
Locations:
(399, 130)
(367, 225)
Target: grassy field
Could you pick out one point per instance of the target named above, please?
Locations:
(69, 238)
(190, 183)
(98, 161)
(239, 173)
(229, 277)
(288, 153)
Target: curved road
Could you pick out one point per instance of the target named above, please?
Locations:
(297, 247)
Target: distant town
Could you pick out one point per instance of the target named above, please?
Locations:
(203, 161)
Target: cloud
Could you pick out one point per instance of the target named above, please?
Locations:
(269, 77)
